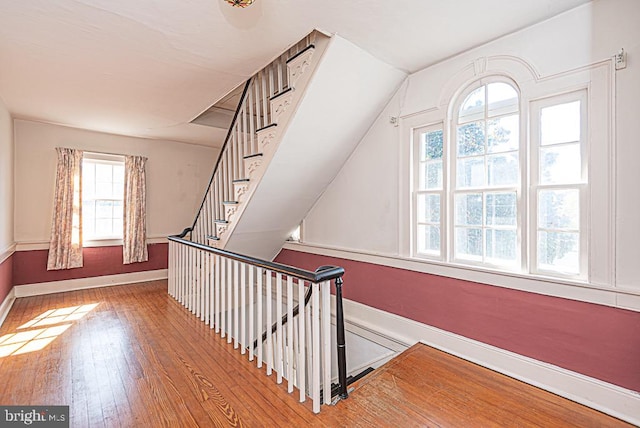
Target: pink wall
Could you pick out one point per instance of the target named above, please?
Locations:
(595, 340)
(30, 267)
(6, 277)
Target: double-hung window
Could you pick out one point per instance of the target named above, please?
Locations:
(559, 184)
(429, 185)
(102, 197)
(502, 186)
(486, 178)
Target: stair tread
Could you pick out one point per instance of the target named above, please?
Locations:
(241, 180)
(213, 238)
(221, 221)
(281, 93)
(253, 155)
(271, 125)
(230, 202)
(301, 52)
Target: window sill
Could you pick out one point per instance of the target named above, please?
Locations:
(550, 286)
(113, 242)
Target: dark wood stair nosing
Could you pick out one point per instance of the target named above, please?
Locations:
(279, 94)
(311, 46)
(271, 125)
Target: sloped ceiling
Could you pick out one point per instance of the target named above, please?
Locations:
(147, 68)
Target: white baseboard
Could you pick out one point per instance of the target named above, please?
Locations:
(92, 282)
(611, 399)
(6, 305)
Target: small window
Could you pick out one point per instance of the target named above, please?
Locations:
(560, 184)
(429, 160)
(102, 197)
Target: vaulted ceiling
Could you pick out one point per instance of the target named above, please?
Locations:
(147, 68)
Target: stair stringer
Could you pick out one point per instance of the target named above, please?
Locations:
(347, 91)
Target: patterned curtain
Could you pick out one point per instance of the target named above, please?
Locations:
(65, 245)
(134, 248)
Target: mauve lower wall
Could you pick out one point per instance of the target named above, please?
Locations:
(6, 277)
(598, 341)
(30, 267)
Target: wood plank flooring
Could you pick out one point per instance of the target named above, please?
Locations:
(139, 359)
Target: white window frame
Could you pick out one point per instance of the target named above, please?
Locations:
(452, 189)
(583, 185)
(416, 190)
(435, 105)
(101, 158)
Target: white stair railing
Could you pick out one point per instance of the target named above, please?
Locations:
(266, 96)
(241, 297)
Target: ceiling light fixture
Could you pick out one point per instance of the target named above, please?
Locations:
(240, 3)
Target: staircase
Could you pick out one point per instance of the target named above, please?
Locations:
(298, 121)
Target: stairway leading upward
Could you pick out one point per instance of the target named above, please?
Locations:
(299, 120)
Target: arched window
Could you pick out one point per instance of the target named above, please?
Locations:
(486, 176)
(504, 186)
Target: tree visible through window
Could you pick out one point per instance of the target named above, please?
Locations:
(490, 194)
(487, 176)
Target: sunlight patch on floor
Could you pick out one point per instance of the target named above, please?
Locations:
(35, 339)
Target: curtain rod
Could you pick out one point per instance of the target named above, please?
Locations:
(93, 152)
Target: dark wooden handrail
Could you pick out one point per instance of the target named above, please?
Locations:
(332, 272)
(224, 146)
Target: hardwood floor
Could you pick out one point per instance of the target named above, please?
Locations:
(139, 359)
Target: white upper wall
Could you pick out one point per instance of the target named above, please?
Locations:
(361, 209)
(6, 179)
(177, 175)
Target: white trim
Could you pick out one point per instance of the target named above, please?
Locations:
(92, 282)
(7, 252)
(608, 398)
(6, 305)
(574, 290)
(44, 245)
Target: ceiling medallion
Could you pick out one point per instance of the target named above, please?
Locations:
(240, 3)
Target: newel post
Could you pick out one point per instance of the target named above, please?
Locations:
(342, 356)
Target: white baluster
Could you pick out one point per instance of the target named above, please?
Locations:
(301, 372)
(309, 343)
(223, 296)
(325, 295)
(171, 270)
(269, 324)
(200, 279)
(216, 294)
(180, 272)
(191, 262)
(251, 312)
(208, 287)
(230, 310)
(260, 322)
(265, 101)
(290, 334)
(243, 308)
(315, 328)
(236, 308)
(279, 71)
(245, 132)
(279, 356)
